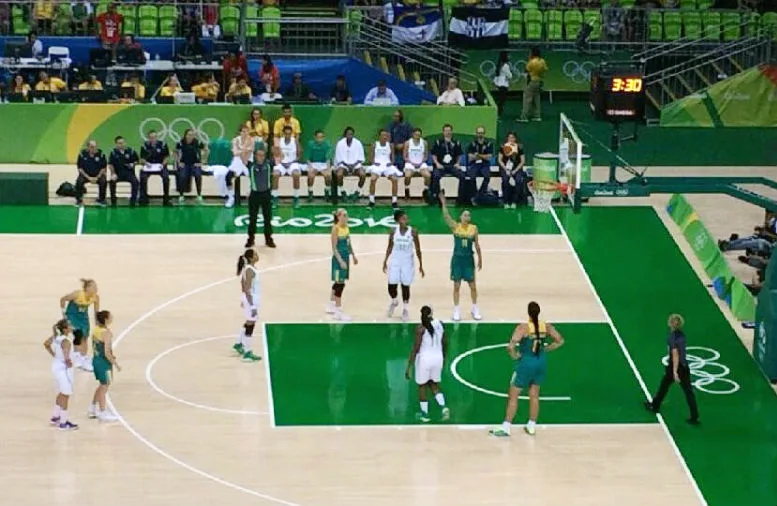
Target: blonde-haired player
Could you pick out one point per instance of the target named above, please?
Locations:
(287, 155)
(382, 164)
(428, 356)
(60, 347)
(249, 301)
(415, 154)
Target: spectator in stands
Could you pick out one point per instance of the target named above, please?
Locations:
(381, 95)
(110, 25)
(349, 160)
(121, 168)
(286, 119)
(50, 84)
(234, 67)
(298, 91)
(446, 155)
(613, 19)
(91, 166)
(239, 91)
(82, 14)
(340, 93)
(535, 70)
(5, 18)
(170, 87)
(134, 82)
(287, 154)
(36, 46)
(44, 15)
(92, 84)
(189, 153)
(399, 131)
(128, 43)
(192, 49)
(318, 158)
(502, 80)
(19, 86)
(269, 96)
(210, 18)
(453, 95)
(268, 74)
(258, 127)
(208, 90)
(511, 160)
(154, 155)
(479, 155)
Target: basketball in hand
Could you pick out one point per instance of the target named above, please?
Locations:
(509, 149)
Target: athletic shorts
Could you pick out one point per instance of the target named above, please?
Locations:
(428, 367)
(318, 167)
(63, 378)
(249, 312)
(463, 268)
(384, 170)
(286, 170)
(412, 168)
(339, 275)
(350, 170)
(400, 273)
(102, 370)
(529, 372)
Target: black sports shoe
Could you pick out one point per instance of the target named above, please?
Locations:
(249, 243)
(269, 243)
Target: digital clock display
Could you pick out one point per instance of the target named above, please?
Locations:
(626, 85)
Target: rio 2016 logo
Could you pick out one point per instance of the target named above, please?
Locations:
(318, 221)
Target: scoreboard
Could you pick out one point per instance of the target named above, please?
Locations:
(617, 95)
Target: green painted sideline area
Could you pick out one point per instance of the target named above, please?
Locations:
(733, 454)
(220, 220)
(358, 377)
(54, 133)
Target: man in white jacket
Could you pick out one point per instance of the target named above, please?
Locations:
(349, 161)
(453, 95)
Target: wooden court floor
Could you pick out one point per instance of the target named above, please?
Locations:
(210, 439)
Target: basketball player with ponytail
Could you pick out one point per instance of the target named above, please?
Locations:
(60, 347)
(249, 301)
(342, 251)
(427, 356)
(528, 347)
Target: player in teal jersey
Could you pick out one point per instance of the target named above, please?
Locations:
(318, 154)
(342, 251)
(528, 347)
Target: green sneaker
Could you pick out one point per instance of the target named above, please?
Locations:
(250, 357)
(295, 203)
(499, 432)
(181, 199)
(238, 348)
(275, 202)
(423, 417)
(529, 430)
(199, 199)
(446, 414)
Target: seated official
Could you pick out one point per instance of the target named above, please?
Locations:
(318, 155)
(479, 154)
(19, 87)
(298, 91)
(287, 155)
(349, 160)
(453, 95)
(92, 84)
(269, 96)
(382, 165)
(207, 90)
(50, 84)
(91, 166)
(416, 153)
(381, 95)
(239, 90)
(121, 169)
(171, 87)
(140, 90)
(340, 93)
(189, 153)
(446, 154)
(154, 155)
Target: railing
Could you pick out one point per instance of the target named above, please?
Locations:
(292, 37)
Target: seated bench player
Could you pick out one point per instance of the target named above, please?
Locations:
(382, 165)
(287, 155)
(415, 154)
(349, 160)
(318, 154)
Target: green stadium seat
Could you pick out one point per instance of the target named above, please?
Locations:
(673, 26)
(355, 20)
(704, 4)
(530, 4)
(168, 17)
(753, 26)
(769, 22)
(628, 4)
(554, 23)
(711, 23)
(687, 5)
(655, 26)
(252, 27)
(19, 20)
(100, 9)
(271, 30)
(130, 14)
(731, 22)
(573, 21)
(148, 25)
(692, 24)
(515, 25)
(532, 21)
(229, 18)
(593, 17)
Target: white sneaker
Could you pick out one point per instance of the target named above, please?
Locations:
(92, 412)
(446, 413)
(330, 308)
(342, 317)
(391, 308)
(405, 315)
(476, 314)
(230, 201)
(105, 416)
(86, 364)
(456, 315)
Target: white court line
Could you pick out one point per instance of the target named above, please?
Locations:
(385, 320)
(150, 380)
(457, 376)
(475, 426)
(270, 401)
(630, 361)
(80, 222)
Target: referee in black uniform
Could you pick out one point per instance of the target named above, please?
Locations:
(121, 165)
(677, 371)
(260, 176)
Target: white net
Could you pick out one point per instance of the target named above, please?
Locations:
(542, 193)
(570, 154)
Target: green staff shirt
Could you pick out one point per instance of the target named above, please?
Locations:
(318, 152)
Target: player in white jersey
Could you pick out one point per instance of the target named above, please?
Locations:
(287, 155)
(382, 164)
(399, 263)
(427, 356)
(416, 153)
(59, 347)
(242, 155)
(249, 301)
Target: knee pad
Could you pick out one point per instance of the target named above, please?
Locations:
(249, 327)
(338, 289)
(392, 290)
(405, 292)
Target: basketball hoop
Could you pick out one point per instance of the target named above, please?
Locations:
(543, 192)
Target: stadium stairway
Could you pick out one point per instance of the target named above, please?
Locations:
(402, 72)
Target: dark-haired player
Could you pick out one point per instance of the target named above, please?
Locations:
(103, 362)
(427, 356)
(399, 262)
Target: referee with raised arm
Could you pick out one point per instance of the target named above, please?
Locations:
(260, 176)
(677, 371)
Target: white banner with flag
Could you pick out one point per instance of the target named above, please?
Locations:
(478, 28)
(415, 23)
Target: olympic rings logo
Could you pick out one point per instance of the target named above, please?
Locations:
(711, 376)
(578, 72)
(175, 130)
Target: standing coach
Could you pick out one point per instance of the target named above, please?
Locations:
(260, 176)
